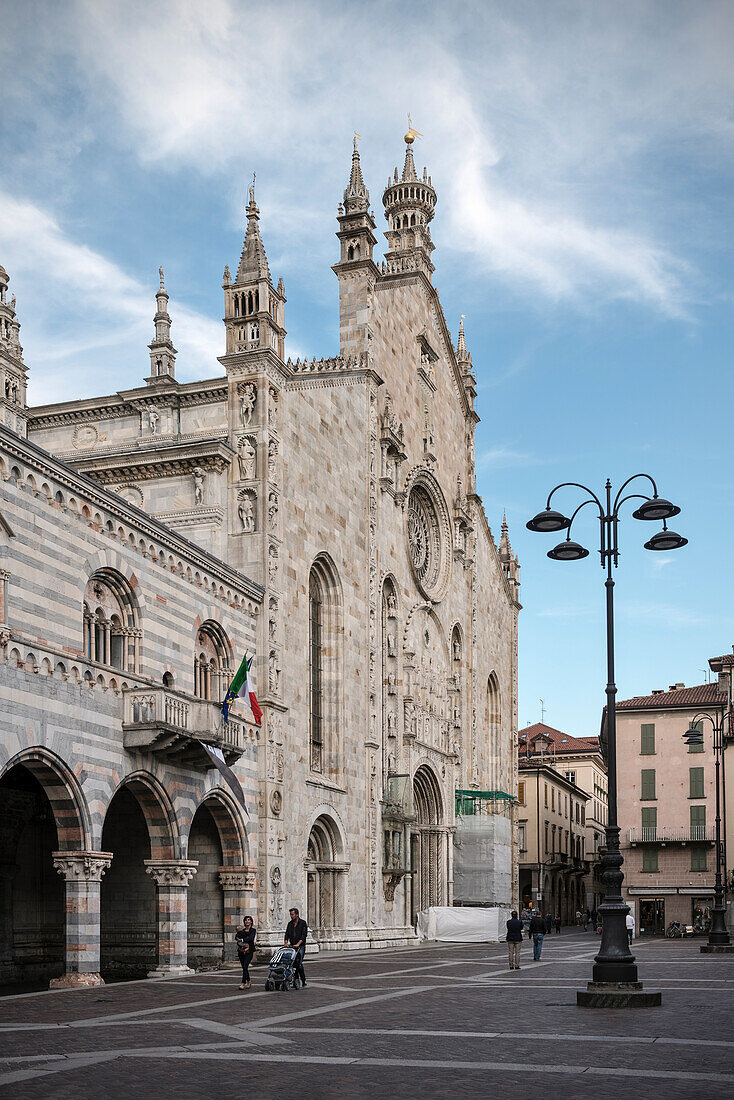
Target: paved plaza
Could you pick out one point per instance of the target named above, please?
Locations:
(428, 1021)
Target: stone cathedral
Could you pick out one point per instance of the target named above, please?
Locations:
(321, 514)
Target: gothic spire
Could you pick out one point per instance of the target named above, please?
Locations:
(505, 550)
(253, 261)
(162, 351)
(461, 353)
(409, 172)
(356, 195)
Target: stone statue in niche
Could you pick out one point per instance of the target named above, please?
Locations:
(273, 510)
(199, 477)
(272, 455)
(392, 605)
(391, 684)
(392, 725)
(273, 408)
(391, 645)
(273, 674)
(457, 649)
(153, 420)
(246, 511)
(247, 457)
(227, 277)
(272, 565)
(248, 398)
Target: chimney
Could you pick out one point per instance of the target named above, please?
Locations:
(676, 687)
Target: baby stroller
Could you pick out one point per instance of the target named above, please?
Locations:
(282, 971)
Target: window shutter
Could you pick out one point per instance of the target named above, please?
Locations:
(647, 739)
(647, 783)
(696, 782)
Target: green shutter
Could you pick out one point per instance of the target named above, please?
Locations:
(698, 822)
(647, 783)
(649, 859)
(696, 782)
(647, 739)
(697, 748)
(698, 859)
(649, 822)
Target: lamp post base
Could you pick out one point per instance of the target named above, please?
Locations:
(617, 995)
(717, 948)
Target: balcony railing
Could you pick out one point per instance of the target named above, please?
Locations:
(667, 834)
(174, 724)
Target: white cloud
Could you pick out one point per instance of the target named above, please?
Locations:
(500, 457)
(54, 275)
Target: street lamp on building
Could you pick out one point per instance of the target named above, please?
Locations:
(615, 979)
(719, 939)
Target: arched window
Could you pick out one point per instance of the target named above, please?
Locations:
(493, 722)
(212, 662)
(326, 878)
(111, 635)
(324, 662)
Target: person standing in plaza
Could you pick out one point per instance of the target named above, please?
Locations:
(514, 940)
(537, 931)
(548, 923)
(245, 940)
(558, 924)
(629, 920)
(295, 936)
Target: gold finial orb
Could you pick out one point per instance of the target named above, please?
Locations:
(409, 137)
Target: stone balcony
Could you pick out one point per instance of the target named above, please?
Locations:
(667, 834)
(175, 724)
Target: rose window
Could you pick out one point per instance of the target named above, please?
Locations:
(424, 543)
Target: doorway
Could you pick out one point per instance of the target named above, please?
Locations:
(652, 917)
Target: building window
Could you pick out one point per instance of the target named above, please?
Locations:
(649, 822)
(647, 783)
(521, 793)
(546, 836)
(698, 859)
(553, 840)
(565, 805)
(546, 795)
(523, 844)
(696, 783)
(650, 860)
(697, 748)
(571, 776)
(583, 815)
(647, 739)
(212, 668)
(316, 671)
(111, 634)
(698, 822)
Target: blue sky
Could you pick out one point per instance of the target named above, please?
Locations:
(583, 156)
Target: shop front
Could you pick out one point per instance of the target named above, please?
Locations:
(652, 917)
(701, 914)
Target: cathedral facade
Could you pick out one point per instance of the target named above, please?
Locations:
(322, 514)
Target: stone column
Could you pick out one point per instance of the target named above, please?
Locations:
(83, 874)
(238, 887)
(172, 878)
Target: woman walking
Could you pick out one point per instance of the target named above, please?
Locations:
(245, 939)
(514, 940)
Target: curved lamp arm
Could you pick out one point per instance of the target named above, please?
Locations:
(626, 483)
(577, 485)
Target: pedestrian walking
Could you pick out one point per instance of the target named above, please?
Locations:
(558, 924)
(629, 920)
(295, 936)
(578, 918)
(548, 923)
(587, 918)
(537, 931)
(594, 919)
(245, 940)
(514, 940)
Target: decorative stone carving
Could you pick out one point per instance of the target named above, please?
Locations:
(153, 419)
(392, 647)
(247, 458)
(276, 905)
(171, 872)
(273, 408)
(85, 435)
(273, 673)
(81, 866)
(391, 684)
(131, 493)
(276, 802)
(199, 477)
(392, 605)
(237, 879)
(246, 509)
(248, 399)
(272, 457)
(273, 565)
(273, 511)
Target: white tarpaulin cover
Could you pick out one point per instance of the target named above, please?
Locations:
(463, 924)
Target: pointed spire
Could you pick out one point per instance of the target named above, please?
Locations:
(409, 173)
(356, 195)
(505, 550)
(461, 353)
(162, 351)
(253, 261)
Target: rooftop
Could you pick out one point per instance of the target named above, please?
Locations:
(561, 742)
(678, 695)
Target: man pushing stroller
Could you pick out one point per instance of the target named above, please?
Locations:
(295, 937)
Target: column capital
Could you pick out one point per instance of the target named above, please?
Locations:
(237, 878)
(171, 872)
(82, 866)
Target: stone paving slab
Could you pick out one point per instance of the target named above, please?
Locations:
(434, 1022)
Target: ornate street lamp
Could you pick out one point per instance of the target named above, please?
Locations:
(719, 939)
(615, 981)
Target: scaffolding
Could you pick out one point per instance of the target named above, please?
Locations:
(483, 848)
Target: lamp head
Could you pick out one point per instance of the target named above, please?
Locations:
(548, 520)
(656, 508)
(568, 551)
(666, 540)
(693, 736)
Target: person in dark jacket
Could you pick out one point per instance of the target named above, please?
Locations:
(514, 940)
(558, 924)
(295, 936)
(245, 940)
(537, 931)
(548, 923)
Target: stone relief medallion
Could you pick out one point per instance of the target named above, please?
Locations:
(426, 541)
(131, 493)
(85, 435)
(276, 802)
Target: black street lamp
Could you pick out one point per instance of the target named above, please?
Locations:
(719, 939)
(615, 981)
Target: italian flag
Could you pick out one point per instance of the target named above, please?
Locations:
(240, 688)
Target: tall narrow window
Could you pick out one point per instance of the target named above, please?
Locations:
(316, 671)
(650, 860)
(695, 780)
(647, 739)
(698, 859)
(521, 793)
(698, 822)
(647, 783)
(649, 823)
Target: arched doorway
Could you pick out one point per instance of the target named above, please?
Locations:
(136, 828)
(42, 811)
(428, 855)
(325, 880)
